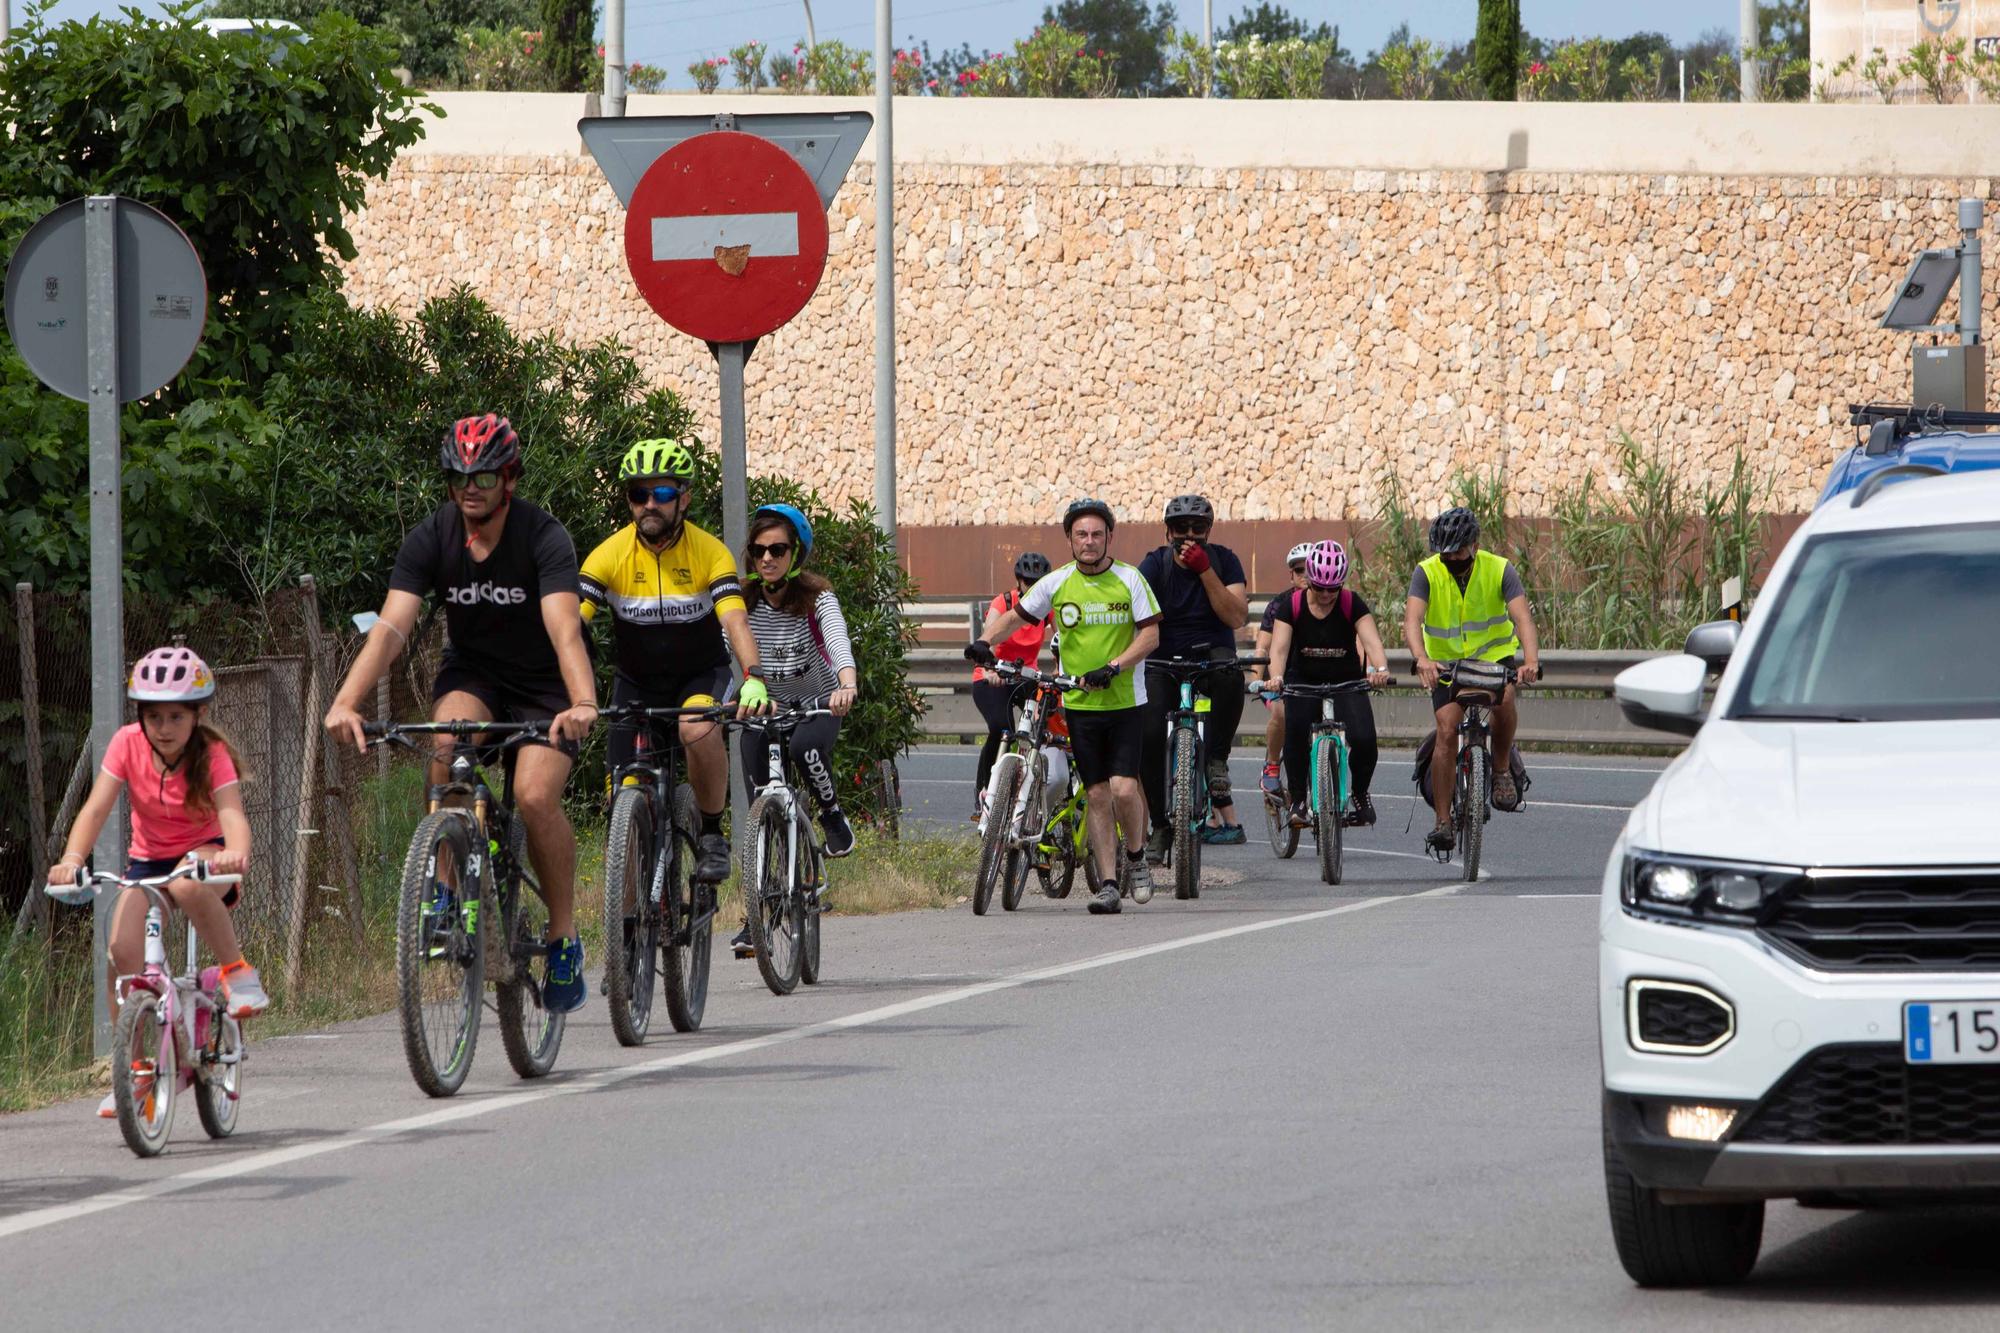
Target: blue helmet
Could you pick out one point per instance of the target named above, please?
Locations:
(800, 525)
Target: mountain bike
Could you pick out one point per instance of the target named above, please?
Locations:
(469, 850)
(1187, 784)
(654, 910)
(174, 1032)
(1017, 793)
(1330, 791)
(782, 877)
(1477, 687)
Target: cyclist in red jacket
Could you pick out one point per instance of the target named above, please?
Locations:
(993, 697)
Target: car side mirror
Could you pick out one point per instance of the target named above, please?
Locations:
(1714, 642)
(1664, 694)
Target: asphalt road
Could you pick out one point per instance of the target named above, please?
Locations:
(1372, 1106)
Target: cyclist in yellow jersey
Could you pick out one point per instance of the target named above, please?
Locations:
(673, 593)
(1468, 603)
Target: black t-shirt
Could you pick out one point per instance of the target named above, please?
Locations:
(1324, 648)
(492, 608)
(1271, 608)
(1186, 618)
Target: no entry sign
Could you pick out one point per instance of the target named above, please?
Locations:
(725, 236)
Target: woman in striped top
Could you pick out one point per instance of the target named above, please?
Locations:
(803, 645)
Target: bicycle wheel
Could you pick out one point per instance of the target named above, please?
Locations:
(1326, 809)
(1001, 790)
(1065, 834)
(1014, 874)
(631, 918)
(530, 1031)
(688, 919)
(770, 898)
(440, 966)
(809, 913)
(144, 1074)
(218, 1084)
(1478, 784)
(1186, 814)
(1278, 822)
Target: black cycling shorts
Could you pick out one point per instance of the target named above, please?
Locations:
(1107, 742)
(527, 700)
(710, 685)
(1441, 692)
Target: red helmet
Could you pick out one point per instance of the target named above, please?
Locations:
(481, 444)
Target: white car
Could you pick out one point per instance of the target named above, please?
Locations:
(1799, 958)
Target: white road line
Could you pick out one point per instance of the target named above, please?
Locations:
(1532, 803)
(40, 1218)
(1556, 895)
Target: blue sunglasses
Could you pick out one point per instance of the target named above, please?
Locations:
(665, 495)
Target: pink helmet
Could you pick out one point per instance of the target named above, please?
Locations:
(170, 676)
(1326, 565)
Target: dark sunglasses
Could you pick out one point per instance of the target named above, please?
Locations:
(776, 550)
(1189, 529)
(485, 481)
(665, 495)
(1299, 568)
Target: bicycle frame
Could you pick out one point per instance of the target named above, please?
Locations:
(1329, 730)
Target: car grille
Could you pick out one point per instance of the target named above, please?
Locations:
(1886, 921)
(1680, 1018)
(1867, 1095)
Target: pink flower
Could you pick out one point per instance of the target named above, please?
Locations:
(931, 84)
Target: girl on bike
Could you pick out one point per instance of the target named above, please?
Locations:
(179, 776)
(993, 697)
(1324, 634)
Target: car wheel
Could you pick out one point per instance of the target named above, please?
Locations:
(1679, 1245)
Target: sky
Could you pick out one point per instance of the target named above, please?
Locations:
(672, 33)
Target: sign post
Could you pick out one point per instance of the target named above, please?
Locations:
(726, 239)
(105, 300)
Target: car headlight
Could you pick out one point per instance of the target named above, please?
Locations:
(1735, 892)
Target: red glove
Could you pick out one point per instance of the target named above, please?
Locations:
(1194, 558)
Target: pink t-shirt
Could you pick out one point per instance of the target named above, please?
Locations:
(162, 827)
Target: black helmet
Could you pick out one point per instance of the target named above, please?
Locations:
(1190, 506)
(1454, 528)
(1078, 508)
(1031, 566)
(480, 444)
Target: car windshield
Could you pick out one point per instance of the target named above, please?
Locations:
(1900, 625)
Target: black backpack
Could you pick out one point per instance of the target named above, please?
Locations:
(1421, 774)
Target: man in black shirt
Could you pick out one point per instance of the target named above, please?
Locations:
(1204, 600)
(507, 574)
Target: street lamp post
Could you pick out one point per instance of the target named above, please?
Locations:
(885, 274)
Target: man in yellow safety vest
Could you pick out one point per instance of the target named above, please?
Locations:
(1466, 603)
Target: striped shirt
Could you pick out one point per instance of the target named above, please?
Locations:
(795, 665)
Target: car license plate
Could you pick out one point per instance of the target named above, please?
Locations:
(1963, 1032)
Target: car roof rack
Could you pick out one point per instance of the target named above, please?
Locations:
(1901, 419)
(1877, 480)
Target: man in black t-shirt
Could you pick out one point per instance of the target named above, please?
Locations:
(1326, 636)
(506, 573)
(1204, 600)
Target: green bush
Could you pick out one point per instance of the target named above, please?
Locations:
(426, 33)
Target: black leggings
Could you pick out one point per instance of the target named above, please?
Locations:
(1225, 713)
(812, 751)
(995, 701)
(1356, 714)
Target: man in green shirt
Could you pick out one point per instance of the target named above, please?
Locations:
(1108, 620)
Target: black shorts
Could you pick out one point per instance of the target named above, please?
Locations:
(139, 868)
(708, 685)
(1107, 742)
(526, 700)
(1441, 692)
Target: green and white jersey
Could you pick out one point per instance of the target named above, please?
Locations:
(1096, 616)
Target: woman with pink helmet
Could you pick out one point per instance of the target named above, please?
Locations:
(180, 778)
(1324, 634)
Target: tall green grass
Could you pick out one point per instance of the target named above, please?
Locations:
(1631, 565)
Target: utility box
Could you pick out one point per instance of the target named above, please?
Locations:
(1951, 377)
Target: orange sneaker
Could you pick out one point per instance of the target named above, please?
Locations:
(243, 991)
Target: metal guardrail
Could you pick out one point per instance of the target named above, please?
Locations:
(1571, 705)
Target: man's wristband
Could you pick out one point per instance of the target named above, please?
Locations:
(756, 671)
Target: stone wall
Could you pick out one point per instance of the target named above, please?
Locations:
(1278, 336)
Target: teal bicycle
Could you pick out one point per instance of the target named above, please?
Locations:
(1187, 772)
(1331, 789)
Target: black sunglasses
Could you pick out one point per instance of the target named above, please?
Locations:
(665, 495)
(1188, 529)
(776, 550)
(485, 481)
(1299, 568)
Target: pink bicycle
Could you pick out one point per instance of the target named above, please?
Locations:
(174, 1032)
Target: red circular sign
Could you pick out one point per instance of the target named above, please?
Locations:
(726, 237)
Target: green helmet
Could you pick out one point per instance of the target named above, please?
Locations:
(657, 458)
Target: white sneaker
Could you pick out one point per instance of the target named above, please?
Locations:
(1140, 876)
(243, 992)
(108, 1108)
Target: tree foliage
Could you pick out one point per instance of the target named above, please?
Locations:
(567, 48)
(1273, 23)
(1497, 48)
(1134, 36)
(426, 32)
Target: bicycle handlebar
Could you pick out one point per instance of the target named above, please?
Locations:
(1189, 666)
(1015, 671)
(399, 733)
(88, 885)
(783, 717)
(641, 712)
(1328, 691)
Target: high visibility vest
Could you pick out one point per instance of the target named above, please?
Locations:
(1473, 623)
